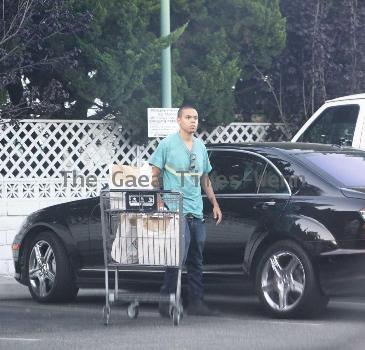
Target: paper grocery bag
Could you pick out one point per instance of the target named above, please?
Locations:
(158, 239)
(126, 177)
(125, 245)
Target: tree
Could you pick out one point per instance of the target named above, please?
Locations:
(208, 58)
(222, 39)
(324, 58)
(29, 33)
(118, 69)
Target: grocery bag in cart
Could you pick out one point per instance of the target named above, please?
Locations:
(121, 176)
(148, 239)
(158, 239)
(125, 246)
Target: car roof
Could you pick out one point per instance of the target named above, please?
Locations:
(287, 147)
(348, 97)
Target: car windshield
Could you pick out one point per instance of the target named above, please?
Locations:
(347, 168)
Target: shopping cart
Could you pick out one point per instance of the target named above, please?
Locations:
(139, 234)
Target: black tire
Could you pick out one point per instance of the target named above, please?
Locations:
(63, 287)
(306, 301)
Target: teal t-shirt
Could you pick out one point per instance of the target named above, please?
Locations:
(183, 169)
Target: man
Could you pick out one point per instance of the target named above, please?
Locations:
(184, 161)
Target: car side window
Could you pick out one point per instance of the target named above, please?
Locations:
(272, 182)
(236, 173)
(335, 125)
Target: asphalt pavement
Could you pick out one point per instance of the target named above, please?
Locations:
(25, 324)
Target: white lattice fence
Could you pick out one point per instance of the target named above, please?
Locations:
(43, 149)
(238, 132)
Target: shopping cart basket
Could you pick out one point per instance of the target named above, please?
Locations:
(140, 234)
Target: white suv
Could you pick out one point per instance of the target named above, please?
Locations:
(339, 121)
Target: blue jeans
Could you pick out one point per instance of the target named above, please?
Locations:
(195, 235)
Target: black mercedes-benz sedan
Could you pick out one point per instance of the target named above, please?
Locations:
(293, 224)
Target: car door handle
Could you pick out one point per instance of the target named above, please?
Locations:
(264, 205)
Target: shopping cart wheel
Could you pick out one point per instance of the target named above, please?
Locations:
(133, 310)
(177, 314)
(106, 314)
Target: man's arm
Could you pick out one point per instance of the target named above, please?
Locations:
(208, 189)
(156, 184)
(155, 175)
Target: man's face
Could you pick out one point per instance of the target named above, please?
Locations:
(188, 121)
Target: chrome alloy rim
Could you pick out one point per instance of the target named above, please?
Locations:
(283, 281)
(42, 268)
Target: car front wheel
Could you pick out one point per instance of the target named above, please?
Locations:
(50, 276)
(286, 282)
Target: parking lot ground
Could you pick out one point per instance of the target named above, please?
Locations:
(25, 324)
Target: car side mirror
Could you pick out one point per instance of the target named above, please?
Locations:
(296, 184)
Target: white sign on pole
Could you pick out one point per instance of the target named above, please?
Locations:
(162, 121)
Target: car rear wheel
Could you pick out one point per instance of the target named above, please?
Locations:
(49, 273)
(286, 282)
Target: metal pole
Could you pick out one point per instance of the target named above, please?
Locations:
(165, 56)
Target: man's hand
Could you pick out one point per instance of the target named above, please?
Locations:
(160, 203)
(208, 189)
(217, 214)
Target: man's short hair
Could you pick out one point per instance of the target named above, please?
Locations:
(182, 107)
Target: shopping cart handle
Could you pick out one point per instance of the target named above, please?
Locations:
(106, 189)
